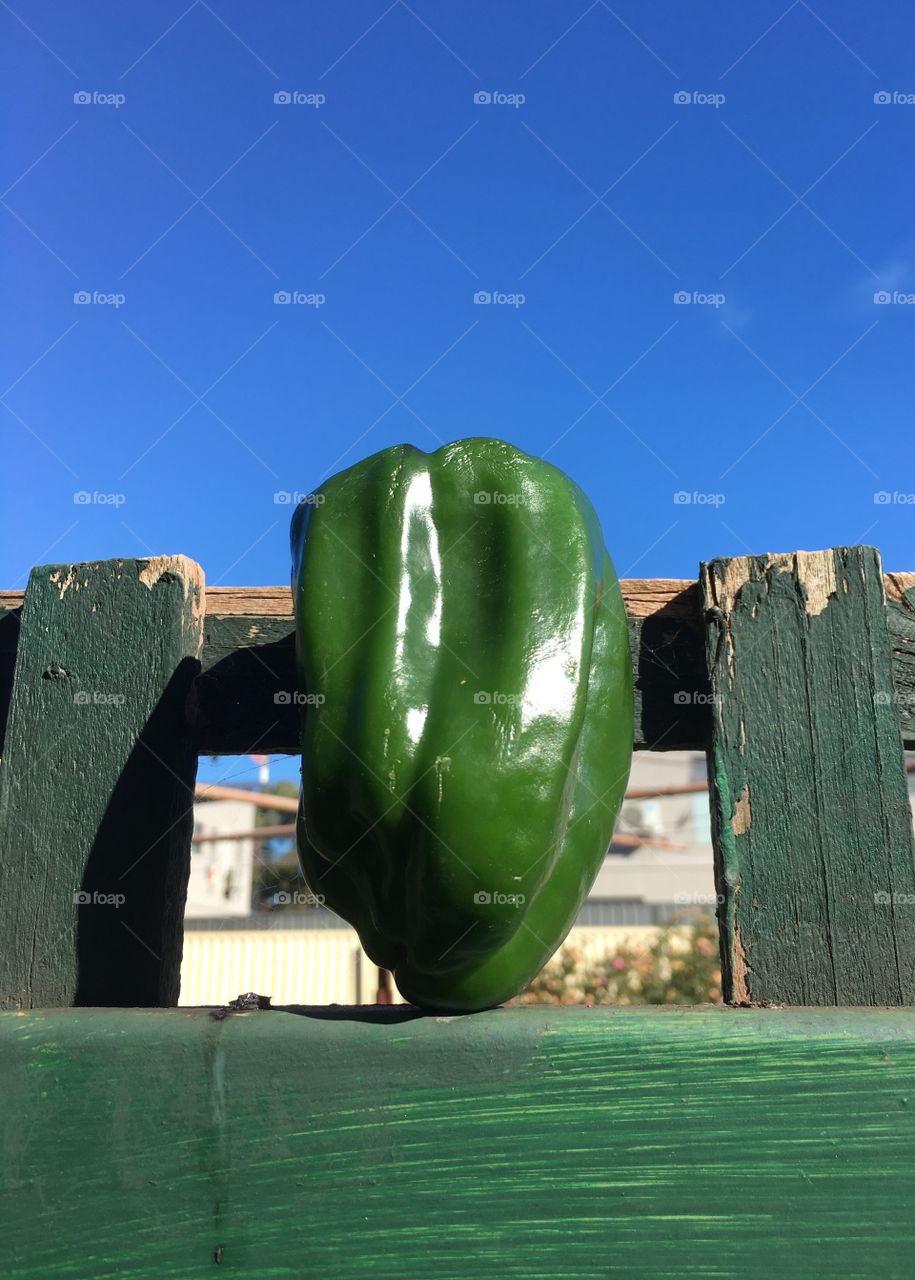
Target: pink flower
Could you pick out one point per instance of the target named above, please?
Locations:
(619, 963)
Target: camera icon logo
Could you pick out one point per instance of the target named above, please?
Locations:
(282, 98)
(881, 97)
(82, 297)
(482, 297)
(882, 297)
(81, 97)
(882, 498)
(282, 297)
(482, 499)
(282, 699)
(682, 98)
(282, 899)
(81, 898)
(681, 298)
(482, 698)
(482, 898)
(282, 497)
(482, 98)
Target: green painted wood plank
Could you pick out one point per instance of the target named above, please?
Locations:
(244, 694)
(96, 785)
(670, 681)
(382, 1145)
(811, 819)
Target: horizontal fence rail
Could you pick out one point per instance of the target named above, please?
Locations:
(246, 691)
(377, 1144)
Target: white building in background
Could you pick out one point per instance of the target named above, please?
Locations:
(221, 870)
(680, 873)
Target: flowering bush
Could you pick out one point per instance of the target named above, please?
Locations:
(679, 965)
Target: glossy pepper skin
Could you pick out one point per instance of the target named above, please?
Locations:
(467, 733)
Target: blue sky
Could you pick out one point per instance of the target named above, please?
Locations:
(776, 195)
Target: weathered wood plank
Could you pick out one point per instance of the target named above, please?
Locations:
(525, 1143)
(248, 660)
(96, 785)
(811, 820)
(244, 696)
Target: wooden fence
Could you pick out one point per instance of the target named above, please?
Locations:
(749, 1140)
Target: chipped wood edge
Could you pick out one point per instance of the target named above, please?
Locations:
(191, 576)
(897, 585)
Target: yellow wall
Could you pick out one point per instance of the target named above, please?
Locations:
(311, 966)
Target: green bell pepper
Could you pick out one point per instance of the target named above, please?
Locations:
(463, 653)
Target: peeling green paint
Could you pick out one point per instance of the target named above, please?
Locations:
(382, 1145)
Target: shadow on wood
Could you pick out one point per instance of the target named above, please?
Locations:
(128, 953)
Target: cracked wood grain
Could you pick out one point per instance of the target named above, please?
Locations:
(811, 820)
(532, 1144)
